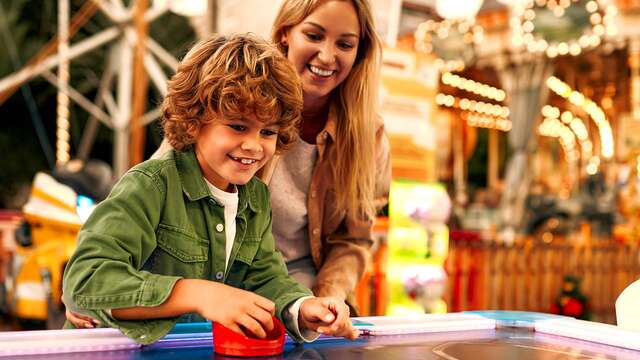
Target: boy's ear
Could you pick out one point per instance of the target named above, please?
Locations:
(193, 129)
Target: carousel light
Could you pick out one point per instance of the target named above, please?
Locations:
(601, 19)
(472, 86)
(489, 122)
(563, 48)
(458, 9)
(595, 112)
(575, 49)
(429, 31)
(187, 8)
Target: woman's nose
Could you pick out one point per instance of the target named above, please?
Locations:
(327, 54)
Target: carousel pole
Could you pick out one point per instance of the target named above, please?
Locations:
(62, 110)
(634, 65)
(140, 85)
(492, 174)
(459, 162)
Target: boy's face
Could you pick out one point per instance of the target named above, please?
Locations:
(230, 151)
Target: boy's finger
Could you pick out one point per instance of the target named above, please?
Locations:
(253, 326)
(266, 304)
(263, 317)
(237, 329)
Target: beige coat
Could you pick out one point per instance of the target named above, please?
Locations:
(340, 245)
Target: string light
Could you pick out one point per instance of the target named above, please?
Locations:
(430, 31)
(591, 108)
(488, 122)
(62, 108)
(472, 105)
(555, 128)
(551, 127)
(472, 86)
(601, 19)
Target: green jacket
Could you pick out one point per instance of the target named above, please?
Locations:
(159, 224)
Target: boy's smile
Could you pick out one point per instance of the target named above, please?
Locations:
(230, 151)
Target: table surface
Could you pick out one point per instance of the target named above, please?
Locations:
(502, 343)
(504, 335)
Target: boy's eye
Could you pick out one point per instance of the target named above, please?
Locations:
(269, 132)
(237, 127)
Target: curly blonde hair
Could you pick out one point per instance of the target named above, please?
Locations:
(227, 77)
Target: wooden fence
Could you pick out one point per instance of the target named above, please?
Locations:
(528, 275)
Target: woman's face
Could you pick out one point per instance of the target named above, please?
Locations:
(323, 48)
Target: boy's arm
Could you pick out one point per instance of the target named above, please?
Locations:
(268, 277)
(113, 245)
(182, 300)
(234, 308)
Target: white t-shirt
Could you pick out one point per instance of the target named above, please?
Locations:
(228, 200)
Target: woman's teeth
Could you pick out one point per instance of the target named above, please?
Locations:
(320, 72)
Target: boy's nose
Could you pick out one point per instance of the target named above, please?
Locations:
(251, 144)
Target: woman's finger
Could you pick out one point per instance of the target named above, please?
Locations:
(80, 321)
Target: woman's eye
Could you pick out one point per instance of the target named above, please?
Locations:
(237, 127)
(314, 36)
(345, 45)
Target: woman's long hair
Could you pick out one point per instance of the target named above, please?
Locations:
(355, 103)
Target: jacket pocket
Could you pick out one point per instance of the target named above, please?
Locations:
(242, 262)
(248, 250)
(178, 253)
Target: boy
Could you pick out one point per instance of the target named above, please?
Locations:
(189, 235)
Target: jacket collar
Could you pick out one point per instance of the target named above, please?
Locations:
(328, 133)
(329, 130)
(195, 188)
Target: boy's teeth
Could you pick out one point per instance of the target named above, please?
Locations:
(247, 161)
(319, 71)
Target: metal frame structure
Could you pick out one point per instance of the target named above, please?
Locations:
(113, 104)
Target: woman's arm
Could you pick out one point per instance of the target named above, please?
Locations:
(347, 251)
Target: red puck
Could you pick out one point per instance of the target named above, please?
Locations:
(228, 342)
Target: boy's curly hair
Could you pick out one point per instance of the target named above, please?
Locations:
(231, 76)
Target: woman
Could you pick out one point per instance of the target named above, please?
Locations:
(323, 211)
(326, 188)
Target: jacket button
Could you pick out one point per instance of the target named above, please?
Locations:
(316, 231)
(219, 227)
(219, 275)
(313, 194)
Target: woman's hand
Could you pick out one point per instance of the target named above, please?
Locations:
(81, 321)
(327, 316)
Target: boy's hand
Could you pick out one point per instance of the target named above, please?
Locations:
(241, 311)
(327, 316)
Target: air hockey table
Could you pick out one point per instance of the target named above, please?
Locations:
(467, 335)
